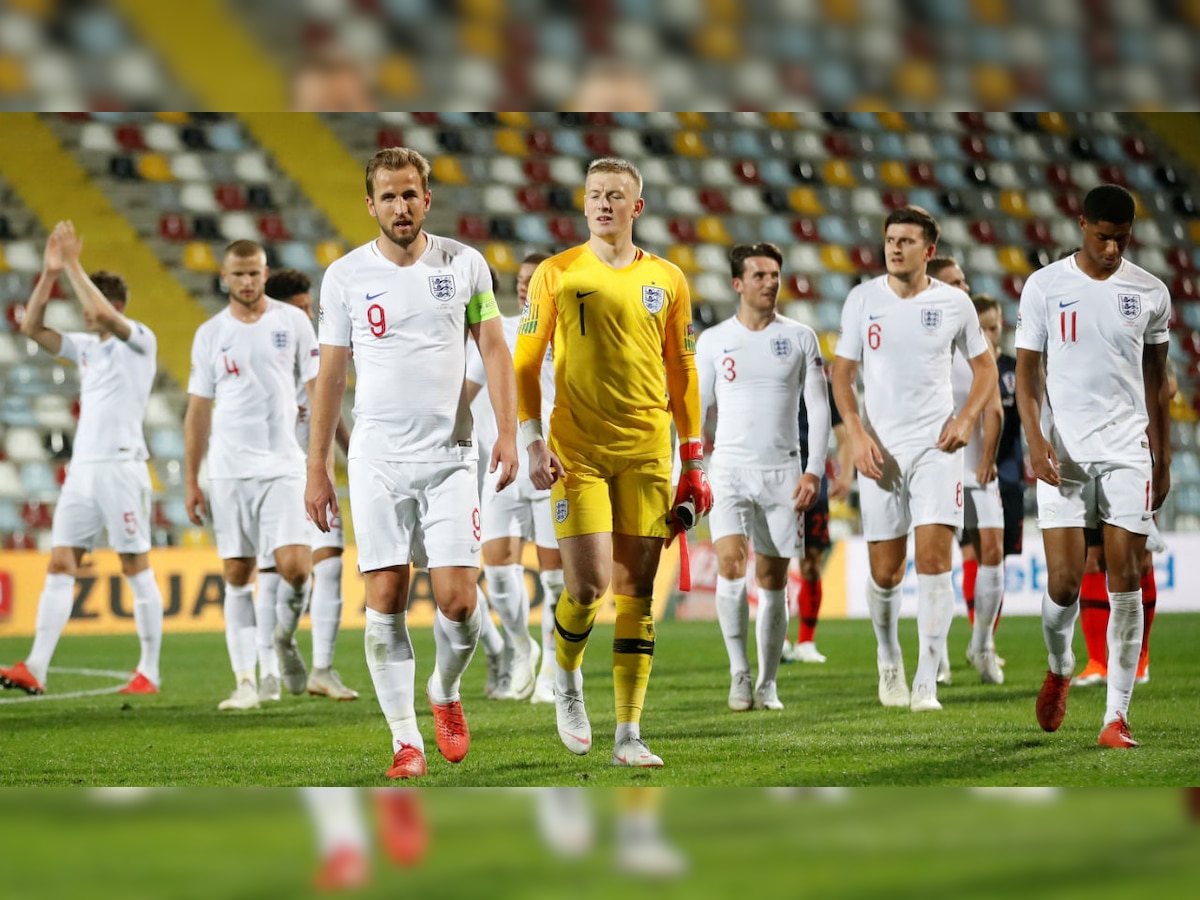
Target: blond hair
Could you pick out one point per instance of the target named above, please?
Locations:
(616, 166)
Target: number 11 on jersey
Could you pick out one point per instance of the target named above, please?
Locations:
(1067, 325)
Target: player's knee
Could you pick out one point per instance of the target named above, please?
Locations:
(732, 567)
(134, 563)
(61, 563)
(1063, 588)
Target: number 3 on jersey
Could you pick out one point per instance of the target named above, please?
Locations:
(874, 336)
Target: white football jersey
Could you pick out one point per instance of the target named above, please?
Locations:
(481, 406)
(1093, 334)
(905, 347)
(250, 370)
(755, 378)
(962, 376)
(115, 378)
(408, 326)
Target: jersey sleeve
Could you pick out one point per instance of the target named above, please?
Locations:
(970, 339)
(308, 361)
(70, 348)
(816, 399)
(482, 305)
(679, 356)
(200, 380)
(476, 373)
(533, 337)
(835, 417)
(1158, 328)
(1031, 317)
(705, 372)
(141, 339)
(333, 318)
(849, 345)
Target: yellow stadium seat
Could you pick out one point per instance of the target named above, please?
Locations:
(689, 143)
(1053, 121)
(682, 256)
(579, 196)
(893, 174)
(892, 121)
(692, 119)
(446, 170)
(1013, 203)
(918, 81)
(154, 167)
(711, 230)
(511, 142)
(328, 251)
(399, 77)
(198, 257)
(718, 42)
(725, 10)
(828, 341)
(195, 537)
(804, 200)
(514, 119)
(481, 39)
(12, 76)
(992, 12)
(838, 174)
(173, 118)
(156, 484)
(1194, 231)
(994, 85)
(500, 255)
(3, 261)
(1013, 260)
(780, 120)
(489, 10)
(844, 12)
(835, 258)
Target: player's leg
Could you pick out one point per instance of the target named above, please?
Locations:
(771, 573)
(816, 546)
(1094, 610)
(1149, 601)
(342, 851)
(970, 563)
(239, 630)
(450, 525)
(729, 529)
(641, 498)
(496, 684)
(326, 614)
(989, 519)
(148, 619)
(551, 577)
(286, 533)
(384, 507)
(509, 597)
(266, 592)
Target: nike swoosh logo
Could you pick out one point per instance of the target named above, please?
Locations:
(729, 349)
(1062, 305)
(226, 348)
(576, 737)
(371, 297)
(873, 318)
(581, 294)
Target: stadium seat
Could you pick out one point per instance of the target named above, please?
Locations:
(683, 201)
(154, 167)
(532, 229)
(834, 258)
(531, 199)
(683, 229)
(1069, 204)
(711, 229)
(1013, 260)
(10, 480)
(982, 231)
(683, 256)
(653, 230)
(272, 228)
(506, 170)
(38, 480)
(502, 229)
(713, 257)
(564, 229)
(162, 137)
(98, 137)
(252, 165)
(498, 199)
(23, 256)
(24, 445)
(198, 257)
(230, 197)
(1013, 203)
(801, 287)
(922, 173)
(238, 226)
(130, 138)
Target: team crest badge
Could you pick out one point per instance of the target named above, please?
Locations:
(279, 339)
(1130, 304)
(781, 347)
(441, 286)
(931, 318)
(653, 299)
(560, 511)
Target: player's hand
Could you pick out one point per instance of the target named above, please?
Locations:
(985, 472)
(52, 258)
(195, 504)
(867, 458)
(301, 413)
(808, 489)
(693, 484)
(504, 457)
(1161, 483)
(544, 467)
(956, 434)
(70, 242)
(320, 498)
(1044, 460)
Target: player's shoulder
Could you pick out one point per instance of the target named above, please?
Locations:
(714, 333)
(286, 312)
(141, 330)
(348, 263)
(563, 260)
(1051, 273)
(866, 290)
(1136, 276)
(654, 261)
(794, 326)
(214, 323)
(446, 251)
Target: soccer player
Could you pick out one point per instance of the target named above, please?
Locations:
(293, 286)
(754, 367)
(108, 484)
(246, 360)
(621, 323)
(817, 542)
(1100, 323)
(903, 327)
(519, 513)
(405, 302)
(983, 513)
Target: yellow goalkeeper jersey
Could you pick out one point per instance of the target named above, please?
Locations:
(623, 353)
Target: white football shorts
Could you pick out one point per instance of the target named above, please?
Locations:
(757, 504)
(112, 496)
(925, 488)
(254, 517)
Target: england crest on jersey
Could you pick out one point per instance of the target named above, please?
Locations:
(931, 318)
(1131, 305)
(781, 347)
(279, 339)
(441, 286)
(653, 299)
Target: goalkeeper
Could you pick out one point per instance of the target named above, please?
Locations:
(620, 322)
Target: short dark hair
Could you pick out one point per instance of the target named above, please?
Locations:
(1109, 203)
(111, 285)
(984, 303)
(285, 284)
(914, 215)
(535, 258)
(244, 249)
(742, 252)
(939, 264)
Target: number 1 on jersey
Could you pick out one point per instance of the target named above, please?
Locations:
(582, 324)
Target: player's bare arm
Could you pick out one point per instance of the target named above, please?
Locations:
(1030, 389)
(1158, 408)
(325, 393)
(94, 303)
(993, 424)
(33, 325)
(808, 488)
(197, 425)
(502, 392)
(956, 433)
(867, 457)
(843, 479)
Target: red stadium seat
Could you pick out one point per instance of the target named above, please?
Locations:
(1135, 148)
(531, 199)
(683, 230)
(1180, 259)
(564, 229)
(746, 171)
(598, 142)
(130, 138)
(1058, 176)
(1038, 232)
(537, 171)
(472, 228)
(540, 142)
(272, 228)
(60, 475)
(974, 147)
(601, 119)
(713, 200)
(13, 314)
(802, 287)
(922, 174)
(426, 118)
(806, 230)
(174, 227)
(865, 257)
(20, 540)
(1068, 202)
(983, 232)
(838, 144)
(36, 514)
(389, 137)
(1013, 285)
(230, 197)
(1183, 287)
(1111, 174)
(974, 121)
(894, 199)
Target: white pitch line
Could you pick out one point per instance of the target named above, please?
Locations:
(122, 680)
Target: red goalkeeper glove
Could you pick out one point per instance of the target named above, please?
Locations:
(693, 483)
